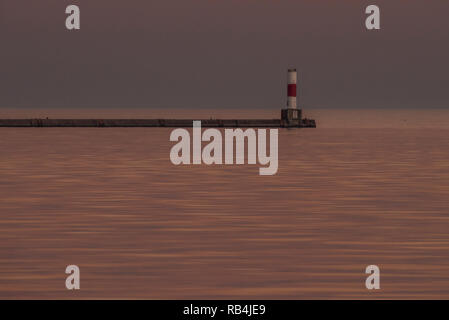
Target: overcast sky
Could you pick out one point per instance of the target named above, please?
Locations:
(223, 53)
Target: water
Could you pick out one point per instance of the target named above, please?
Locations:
(110, 201)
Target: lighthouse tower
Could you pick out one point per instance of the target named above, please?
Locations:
(291, 115)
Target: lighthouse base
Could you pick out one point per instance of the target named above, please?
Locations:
(291, 117)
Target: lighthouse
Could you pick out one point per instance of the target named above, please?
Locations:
(291, 89)
(291, 115)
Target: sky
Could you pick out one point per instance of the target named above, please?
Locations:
(223, 54)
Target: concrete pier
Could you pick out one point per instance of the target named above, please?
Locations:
(108, 123)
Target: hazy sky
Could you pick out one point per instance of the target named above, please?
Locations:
(223, 53)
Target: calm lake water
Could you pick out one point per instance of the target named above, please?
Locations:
(347, 195)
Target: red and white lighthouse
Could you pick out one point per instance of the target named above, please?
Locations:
(291, 89)
(291, 116)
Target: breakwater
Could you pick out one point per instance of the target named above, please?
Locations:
(108, 123)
